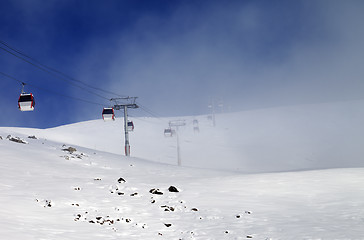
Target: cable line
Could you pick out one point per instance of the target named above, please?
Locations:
(51, 73)
(145, 109)
(62, 76)
(51, 91)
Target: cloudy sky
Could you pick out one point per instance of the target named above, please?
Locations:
(176, 56)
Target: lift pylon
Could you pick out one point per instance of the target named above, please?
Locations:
(127, 102)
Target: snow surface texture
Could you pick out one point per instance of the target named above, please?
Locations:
(71, 182)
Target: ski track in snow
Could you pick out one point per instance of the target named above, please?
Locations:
(47, 192)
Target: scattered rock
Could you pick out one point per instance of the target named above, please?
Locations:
(155, 191)
(114, 189)
(1, 138)
(194, 209)
(70, 149)
(173, 189)
(48, 203)
(78, 216)
(121, 180)
(77, 188)
(110, 221)
(133, 194)
(168, 224)
(249, 236)
(32, 137)
(97, 179)
(15, 139)
(168, 208)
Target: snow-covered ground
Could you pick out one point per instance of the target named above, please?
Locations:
(238, 180)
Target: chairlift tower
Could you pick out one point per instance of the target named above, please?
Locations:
(177, 124)
(212, 107)
(128, 102)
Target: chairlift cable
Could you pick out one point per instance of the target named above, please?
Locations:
(64, 77)
(145, 109)
(54, 72)
(57, 71)
(51, 91)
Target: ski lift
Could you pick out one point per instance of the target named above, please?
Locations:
(108, 114)
(196, 129)
(168, 132)
(26, 101)
(130, 126)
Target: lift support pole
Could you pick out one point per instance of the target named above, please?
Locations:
(177, 124)
(125, 107)
(127, 145)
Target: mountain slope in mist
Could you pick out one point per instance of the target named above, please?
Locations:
(327, 135)
(69, 183)
(54, 191)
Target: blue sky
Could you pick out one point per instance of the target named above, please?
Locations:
(177, 56)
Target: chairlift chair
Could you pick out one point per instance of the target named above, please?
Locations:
(108, 114)
(26, 102)
(130, 126)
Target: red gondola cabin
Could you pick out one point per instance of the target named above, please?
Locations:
(26, 102)
(108, 114)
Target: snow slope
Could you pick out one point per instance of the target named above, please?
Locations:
(47, 192)
(320, 136)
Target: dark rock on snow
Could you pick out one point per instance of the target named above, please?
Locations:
(15, 139)
(121, 180)
(173, 189)
(70, 149)
(155, 191)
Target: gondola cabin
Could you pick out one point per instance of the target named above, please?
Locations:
(26, 102)
(130, 126)
(108, 114)
(168, 132)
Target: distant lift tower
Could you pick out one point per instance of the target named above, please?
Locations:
(177, 124)
(128, 102)
(212, 107)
